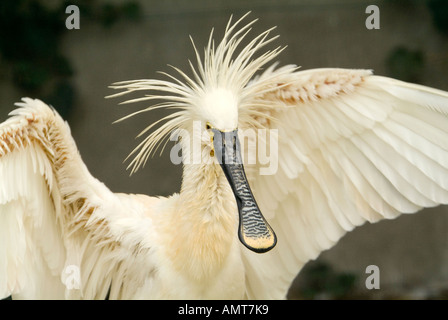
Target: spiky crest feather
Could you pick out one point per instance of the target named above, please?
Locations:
(221, 67)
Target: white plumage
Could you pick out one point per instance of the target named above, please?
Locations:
(352, 147)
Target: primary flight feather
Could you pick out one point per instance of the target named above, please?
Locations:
(345, 146)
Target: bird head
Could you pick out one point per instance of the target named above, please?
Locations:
(219, 109)
(219, 96)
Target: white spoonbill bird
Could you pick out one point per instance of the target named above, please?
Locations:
(349, 147)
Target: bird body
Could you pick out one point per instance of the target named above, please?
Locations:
(201, 256)
(350, 147)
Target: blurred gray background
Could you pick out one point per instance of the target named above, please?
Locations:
(127, 40)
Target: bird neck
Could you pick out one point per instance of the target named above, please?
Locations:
(206, 220)
(206, 190)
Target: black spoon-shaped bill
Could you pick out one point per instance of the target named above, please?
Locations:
(254, 231)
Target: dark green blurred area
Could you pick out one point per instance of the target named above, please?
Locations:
(439, 11)
(322, 282)
(405, 64)
(30, 36)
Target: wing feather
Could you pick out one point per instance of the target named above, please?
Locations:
(353, 147)
(55, 215)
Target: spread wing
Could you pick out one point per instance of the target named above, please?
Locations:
(352, 147)
(62, 232)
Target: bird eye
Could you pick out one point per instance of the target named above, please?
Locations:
(208, 126)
